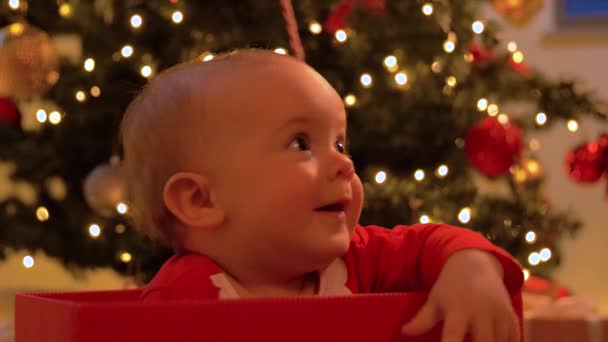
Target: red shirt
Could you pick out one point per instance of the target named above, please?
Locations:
(403, 259)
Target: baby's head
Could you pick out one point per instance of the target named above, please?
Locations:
(243, 157)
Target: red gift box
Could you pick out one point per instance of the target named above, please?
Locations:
(118, 316)
(566, 330)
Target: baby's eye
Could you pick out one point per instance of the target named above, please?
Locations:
(340, 146)
(300, 142)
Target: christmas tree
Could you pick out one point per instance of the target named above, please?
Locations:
(438, 109)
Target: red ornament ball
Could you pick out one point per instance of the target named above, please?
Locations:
(587, 163)
(9, 112)
(492, 147)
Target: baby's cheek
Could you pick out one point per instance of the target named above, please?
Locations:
(357, 202)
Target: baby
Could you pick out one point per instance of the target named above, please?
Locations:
(239, 164)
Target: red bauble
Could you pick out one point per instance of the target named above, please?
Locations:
(9, 113)
(587, 163)
(481, 53)
(492, 147)
(338, 18)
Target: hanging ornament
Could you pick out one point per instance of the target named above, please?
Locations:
(588, 162)
(518, 12)
(481, 54)
(104, 188)
(338, 18)
(527, 170)
(9, 113)
(493, 147)
(29, 63)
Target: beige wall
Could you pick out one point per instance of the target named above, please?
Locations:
(583, 57)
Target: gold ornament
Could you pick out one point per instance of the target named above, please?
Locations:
(29, 63)
(104, 188)
(518, 12)
(527, 170)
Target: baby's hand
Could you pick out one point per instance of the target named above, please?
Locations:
(470, 297)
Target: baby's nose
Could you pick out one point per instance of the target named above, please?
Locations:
(343, 167)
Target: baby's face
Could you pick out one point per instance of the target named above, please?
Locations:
(289, 190)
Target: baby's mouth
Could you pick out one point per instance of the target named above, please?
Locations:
(334, 207)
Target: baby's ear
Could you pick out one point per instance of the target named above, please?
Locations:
(188, 198)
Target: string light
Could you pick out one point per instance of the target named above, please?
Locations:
(541, 118)
(449, 46)
(451, 81)
(572, 125)
(482, 104)
(55, 117)
(425, 219)
(136, 21)
(512, 46)
(545, 254)
(534, 258)
(120, 228)
(530, 237)
(427, 9)
(350, 100)
(464, 215)
(436, 67)
(401, 78)
(89, 64)
(14, 4)
(126, 51)
(126, 257)
(380, 177)
(146, 71)
(518, 57)
(65, 10)
(315, 28)
(526, 274)
(95, 91)
(366, 80)
(42, 214)
(41, 115)
(280, 51)
(442, 171)
(503, 118)
(478, 27)
(419, 175)
(341, 36)
(207, 56)
(81, 96)
(177, 17)
(390, 62)
(121, 208)
(468, 57)
(94, 231)
(28, 261)
(493, 109)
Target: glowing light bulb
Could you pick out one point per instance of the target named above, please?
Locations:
(89, 64)
(449, 46)
(503, 118)
(350, 100)
(42, 214)
(401, 78)
(390, 61)
(177, 17)
(451, 81)
(534, 258)
(315, 28)
(380, 177)
(126, 257)
(65, 10)
(126, 51)
(464, 215)
(478, 27)
(427, 9)
(493, 109)
(136, 21)
(482, 104)
(425, 219)
(95, 91)
(146, 71)
(41, 115)
(14, 4)
(545, 254)
(28, 261)
(572, 125)
(206, 57)
(55, 117)
(80, 96)
(526, 274)
(512, 46)
(280, 51)
(366, 80)
(94, 231)
(121, 208)
(442, 171)
(518, 57)
(419, 175)
(341, 36)
(541, 118)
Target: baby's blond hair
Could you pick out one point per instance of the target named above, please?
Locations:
(163, 120)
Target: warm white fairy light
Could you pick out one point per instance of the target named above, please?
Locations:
(541, 118)
(177, 17)
(350, 100)
(89, 64)
(80, 96)
(121, 208)
(545, 254)
(464, 215)
(146, 71)
(449, 46)
(503, 118)
(572, 125)
(512, 46)
(65, 10)
(518, 57)
(442, 171)
(126, 257)
(315, 28)
(41, 115)
(14, 4)
(451, 81)
(534, 258)
(94, 231)
(341, 36)
(207, 56)
(280, 51)
(120, 228)
(42, 214)
(526, 274)
(482, 104)
(380, 177)
(530, 237)
(478, 27)
(95, 91)
(425, 219)
(493, 109)
(427, 9)
(419, 175)
(366, 80)
(55, 117)
(436, 66)
(390, 62)
(401, 78)
(126, 51)
(136, 21)
(28, 261)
